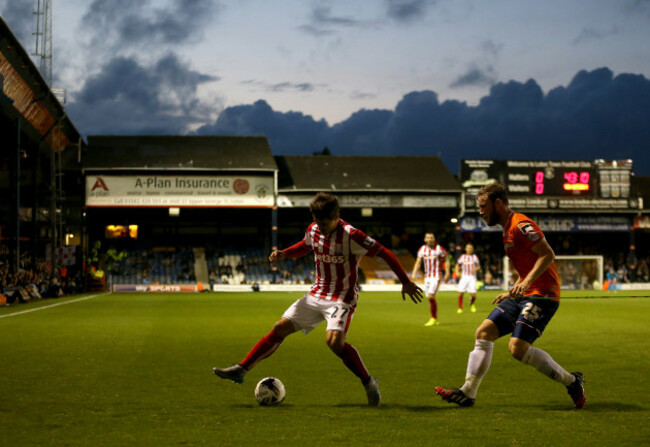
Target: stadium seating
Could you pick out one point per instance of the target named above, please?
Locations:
(157, 266)
(376, 271)
(250, 266)
(237, 266)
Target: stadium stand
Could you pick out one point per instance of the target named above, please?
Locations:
(38, 145)
(35, 280)
(160, 265)
(250, 266)
(375, 270)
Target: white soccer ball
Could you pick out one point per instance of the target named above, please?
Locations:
(269, 391)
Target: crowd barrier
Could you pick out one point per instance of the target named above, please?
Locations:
(307, 287)
(155, 288)
(635, 286)
(298, 287)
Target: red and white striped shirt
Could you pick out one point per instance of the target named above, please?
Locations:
(433, 260)
(337, 258)
(468, 263)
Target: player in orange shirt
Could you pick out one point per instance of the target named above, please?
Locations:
(523, 311)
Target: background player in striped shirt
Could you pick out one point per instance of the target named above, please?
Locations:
(467, 266)
(338, 248)
(523, 311)
(434, 258)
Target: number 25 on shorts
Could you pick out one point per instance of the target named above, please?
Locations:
(531, 311)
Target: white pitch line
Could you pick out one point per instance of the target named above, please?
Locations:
(52, 305)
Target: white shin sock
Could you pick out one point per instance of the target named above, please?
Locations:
(477, 366)
(544, 363)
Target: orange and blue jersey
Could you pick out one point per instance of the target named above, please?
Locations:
(519, 236)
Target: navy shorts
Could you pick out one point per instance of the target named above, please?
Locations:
(525, 319)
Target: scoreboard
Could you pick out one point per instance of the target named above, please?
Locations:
(550, 178)
(552, 184)
(545, 179)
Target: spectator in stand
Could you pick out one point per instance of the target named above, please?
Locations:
(631, 273)
(487, 278)
(570, 279)
(630, 264)
(213, 278)
(642, 271)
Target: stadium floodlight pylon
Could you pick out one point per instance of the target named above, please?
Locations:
(578, 272)
(43, 34)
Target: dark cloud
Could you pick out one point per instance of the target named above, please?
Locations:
(637, 6)
(407, 10)
(125, 23)
(597, 115)
(20, 18)
(590, 34)
(476, 77)
(316, 31)
(294, 132)
(281, 86)
(284, 86)
(361, 95)
(364, 132)
(491, 49)
(322, 15)
(323, 23)
(128, 98)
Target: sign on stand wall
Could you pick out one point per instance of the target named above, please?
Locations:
(179, 191)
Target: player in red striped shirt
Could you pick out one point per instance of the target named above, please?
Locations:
(338, 248)
(434, 258)
(467, 265)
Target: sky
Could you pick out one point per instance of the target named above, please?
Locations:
(460, 79)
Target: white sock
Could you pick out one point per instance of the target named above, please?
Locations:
(477, 366)
(545, 364)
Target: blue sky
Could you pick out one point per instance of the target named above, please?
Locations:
(454, 78)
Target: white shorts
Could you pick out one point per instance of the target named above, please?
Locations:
(431, 285)
(467, 283)
(309, 311)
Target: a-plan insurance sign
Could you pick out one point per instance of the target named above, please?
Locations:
(178, 191)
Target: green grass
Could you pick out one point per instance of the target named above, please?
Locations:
(129, 369)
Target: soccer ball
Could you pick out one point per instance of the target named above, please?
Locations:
(269, 391)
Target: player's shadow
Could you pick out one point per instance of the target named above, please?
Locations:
(251, 406)
(598, 407)
(393, 406)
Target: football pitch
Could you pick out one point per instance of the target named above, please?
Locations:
(136, 369)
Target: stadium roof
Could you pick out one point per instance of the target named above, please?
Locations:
(365, 173)
(200, 153)
(24, 93)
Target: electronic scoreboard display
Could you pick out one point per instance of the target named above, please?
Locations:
(550, 178)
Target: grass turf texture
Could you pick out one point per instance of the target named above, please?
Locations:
(135, 369)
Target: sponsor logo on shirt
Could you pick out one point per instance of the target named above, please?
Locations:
(529, 231)
(332, 259)
(525, 227)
